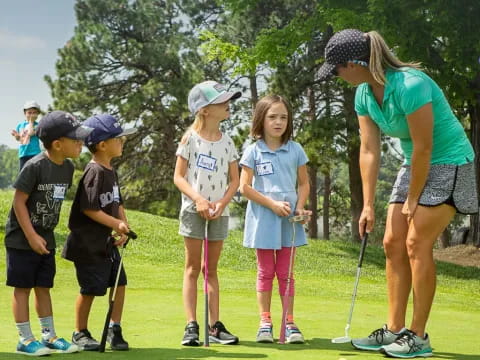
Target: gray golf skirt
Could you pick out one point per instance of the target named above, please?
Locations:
(454, 185)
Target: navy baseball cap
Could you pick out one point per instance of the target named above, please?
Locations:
(344, 46)
(57, 124)
(209, 92)
(105, 127)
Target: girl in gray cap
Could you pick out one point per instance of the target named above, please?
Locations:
(436, 180)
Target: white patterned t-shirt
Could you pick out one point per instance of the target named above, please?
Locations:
(207, 169)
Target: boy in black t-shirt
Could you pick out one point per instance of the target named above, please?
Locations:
(39, 192)
(96, 211)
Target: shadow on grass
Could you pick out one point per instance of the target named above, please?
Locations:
(453, 356)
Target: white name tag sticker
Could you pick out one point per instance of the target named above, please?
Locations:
(59, 192)
(206, 162)
(116, 193)
(265, 168)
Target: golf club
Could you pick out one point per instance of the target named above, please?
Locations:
(286, 297)
(130, 235)
(346, 338)
(205, 286)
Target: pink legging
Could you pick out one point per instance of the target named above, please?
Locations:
(271, 262)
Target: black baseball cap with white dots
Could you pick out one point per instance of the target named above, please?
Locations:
(343, 46)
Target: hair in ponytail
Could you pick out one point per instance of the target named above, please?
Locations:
(382, 58)
(197, 126)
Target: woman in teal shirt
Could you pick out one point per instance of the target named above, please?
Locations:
(436, 180)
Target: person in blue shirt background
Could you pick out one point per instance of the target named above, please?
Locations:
(436, 180)
(24, 133)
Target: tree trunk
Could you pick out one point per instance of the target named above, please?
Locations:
(312, 170)
(355, 180)
(474, 111)
(253, 90)
(326, 205)
(312, 226)
(444, 238)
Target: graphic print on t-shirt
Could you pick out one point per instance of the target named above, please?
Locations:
(47, 212)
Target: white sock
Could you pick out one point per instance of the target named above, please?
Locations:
(48, 330)
(24, 331)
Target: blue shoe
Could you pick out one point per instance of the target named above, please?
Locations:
(61, 345)
(33, 348)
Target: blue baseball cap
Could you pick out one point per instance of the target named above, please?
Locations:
(105, 127)
(209, 92)
(57, 124)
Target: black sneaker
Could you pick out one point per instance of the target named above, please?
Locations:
(190, 337)
(219, 334)
(84, 340)
(115, 338)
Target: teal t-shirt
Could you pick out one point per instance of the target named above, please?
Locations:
(406, 91)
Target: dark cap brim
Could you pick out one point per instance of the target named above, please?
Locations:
(80, 133)
(127, 132)
(227, 96)
(325, 72)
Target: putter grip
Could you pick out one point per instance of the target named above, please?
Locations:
(131, 234)
(362, 249)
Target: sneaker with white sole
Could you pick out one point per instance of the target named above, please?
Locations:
(84, 340)
(32, 348)
(60, 345)
(219, 334)
(293, 335)
(191, 335)
(408, 346)
(265, 333)
(377, 339)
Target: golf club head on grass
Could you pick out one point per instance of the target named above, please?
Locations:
(341, 340)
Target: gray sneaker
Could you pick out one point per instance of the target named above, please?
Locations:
(219, 334)
(408, 346)
(84, 340)
(377, 339)
(265, 333)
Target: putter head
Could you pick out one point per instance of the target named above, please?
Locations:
(341, 340)
(298, 218)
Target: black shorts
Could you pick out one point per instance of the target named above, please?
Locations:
(27, 269)
(95, 279)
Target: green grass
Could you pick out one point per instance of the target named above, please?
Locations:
(325, 270)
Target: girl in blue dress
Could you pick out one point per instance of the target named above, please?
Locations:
(273, 170)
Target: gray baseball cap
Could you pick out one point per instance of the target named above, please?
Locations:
(207, 93)
(344, 46)
(31, 104)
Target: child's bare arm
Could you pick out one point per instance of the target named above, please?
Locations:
(233, 183)
(118, 225)
(281, 208)
(36, 242)
(303, 191)
(202, 204)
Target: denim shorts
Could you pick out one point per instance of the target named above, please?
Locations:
(454, 185)
(27, 269)
(192, 225)
(95, 278)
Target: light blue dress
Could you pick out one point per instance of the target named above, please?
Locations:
(274, 175)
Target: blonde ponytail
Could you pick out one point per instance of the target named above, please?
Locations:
(382, 58)
(197, 126)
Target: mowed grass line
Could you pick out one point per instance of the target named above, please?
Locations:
(154, 317)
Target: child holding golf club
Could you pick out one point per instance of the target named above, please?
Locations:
(97, 210)
(273, 169)
(206, 172)
(40, 189)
